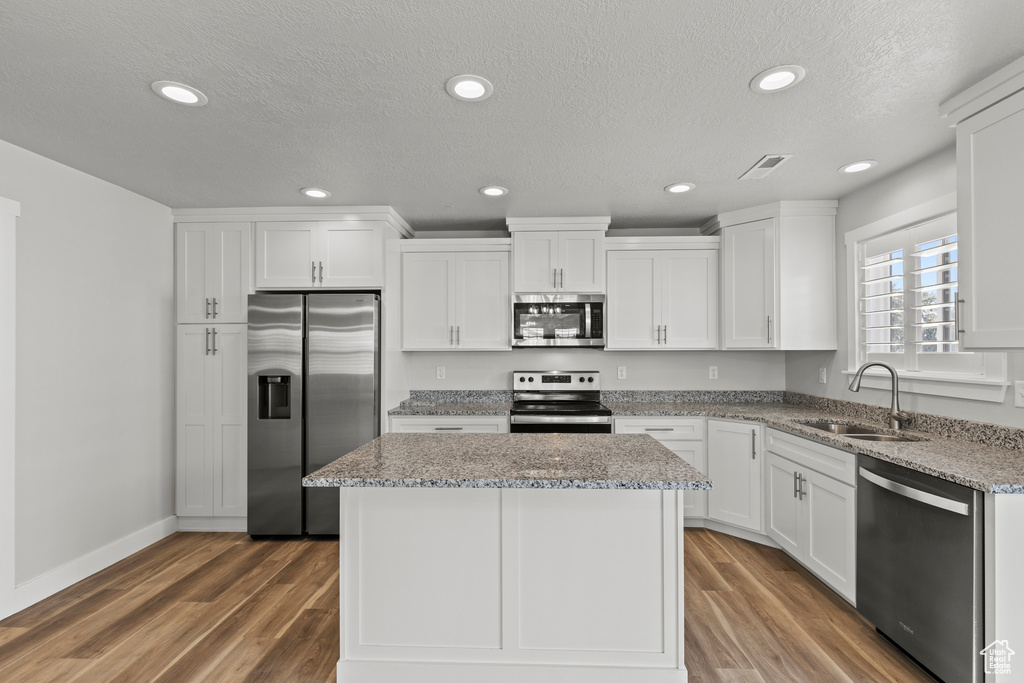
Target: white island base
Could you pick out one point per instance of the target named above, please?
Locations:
(492, 585)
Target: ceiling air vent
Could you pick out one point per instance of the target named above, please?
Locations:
(764, 166)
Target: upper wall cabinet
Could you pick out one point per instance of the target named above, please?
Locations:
(213, 271)
(662, 297)
(778, 276)
(558, 254)
(455, 295)
(989, 119)
(329, 254)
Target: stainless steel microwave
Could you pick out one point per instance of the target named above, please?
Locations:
(558, 320)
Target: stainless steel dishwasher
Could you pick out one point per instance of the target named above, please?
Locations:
(919, 566)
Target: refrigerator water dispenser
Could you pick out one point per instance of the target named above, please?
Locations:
(273, 397)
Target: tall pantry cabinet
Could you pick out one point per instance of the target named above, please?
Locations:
(213, 280)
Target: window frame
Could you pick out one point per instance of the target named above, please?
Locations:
(990, 386)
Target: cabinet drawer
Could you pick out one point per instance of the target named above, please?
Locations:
(662, 429)
(829, 461)
(455, 424)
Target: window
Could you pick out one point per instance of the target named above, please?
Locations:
(905, 295)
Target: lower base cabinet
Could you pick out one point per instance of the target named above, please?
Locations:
(812, 507)
(685, 438)
(735, 469)
(453, 424)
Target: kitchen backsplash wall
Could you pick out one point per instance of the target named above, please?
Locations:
(654, 370)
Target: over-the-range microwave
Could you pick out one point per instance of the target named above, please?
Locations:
(558, 320)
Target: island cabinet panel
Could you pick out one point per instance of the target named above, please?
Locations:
(545, 585)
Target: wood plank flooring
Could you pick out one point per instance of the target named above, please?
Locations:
(221, 607)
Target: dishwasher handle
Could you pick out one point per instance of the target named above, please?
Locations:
(915, 494)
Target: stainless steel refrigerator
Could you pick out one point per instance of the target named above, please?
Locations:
(314, 388)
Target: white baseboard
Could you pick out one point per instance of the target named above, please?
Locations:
(430, 672)
(745, 534)
(213, 523)
(39, 588)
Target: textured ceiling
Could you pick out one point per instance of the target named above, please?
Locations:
(597, 104)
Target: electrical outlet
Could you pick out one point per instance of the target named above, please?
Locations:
(622, 372)
(1018, 394)
(712, 372)
(822, 376)
(440, 372)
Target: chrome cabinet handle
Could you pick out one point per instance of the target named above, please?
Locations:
(657, 334)
(561, 278)
(769, 330)
(215, 341)
(207, 341)
(658, 429)
(956, 318)
(554, 278)
(664, 332)
(451, 335)
(321, 272)
(796, 484)
(753, 444)
(313, 273)
(447, 429)
(458, 336)
(801, 479)
(207, 309)
(214, 307)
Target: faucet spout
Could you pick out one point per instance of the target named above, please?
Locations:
(896, 416)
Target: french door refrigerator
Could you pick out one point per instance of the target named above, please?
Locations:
(313, 396)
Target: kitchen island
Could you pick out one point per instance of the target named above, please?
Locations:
(511, 557)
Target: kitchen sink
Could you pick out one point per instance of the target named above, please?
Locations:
(858, 431)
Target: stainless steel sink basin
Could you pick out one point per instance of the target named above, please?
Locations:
(846, 430)
(858, 432)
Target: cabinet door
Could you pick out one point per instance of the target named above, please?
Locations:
(633, 314)
(428, 301)
(534, 261)
(287, 255)
(831, 531)
(784, 506)
(689, 299)
(748, 285)
(351, 253)
(194, 422)
(581, 261)
(482, 301)
(734, 466)
(695, 503)
(229, 420)
(193, 244)
(228, 272)
(990, 204)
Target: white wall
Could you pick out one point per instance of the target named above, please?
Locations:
(9, 211)
(917, 184)
(94, 423)
(664, 370)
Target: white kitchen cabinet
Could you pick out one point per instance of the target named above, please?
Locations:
(455, 301)
(735, 469)
(450, 424)
(812, 507)
(558, 255)
(211, 420)
(989, 148)
(329, 254)
(778, 276)
(682, 436)
(662, 299)
(213, 264)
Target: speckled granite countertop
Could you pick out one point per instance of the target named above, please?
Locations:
(552, 461)
(989, 458)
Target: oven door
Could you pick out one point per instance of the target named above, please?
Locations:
(558, 320)
(560, 424)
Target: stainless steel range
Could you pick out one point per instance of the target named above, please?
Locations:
(558, 401)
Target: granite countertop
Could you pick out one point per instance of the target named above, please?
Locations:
(985, 457)
(551, 461)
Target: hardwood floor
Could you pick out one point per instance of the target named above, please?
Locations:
(221, 607)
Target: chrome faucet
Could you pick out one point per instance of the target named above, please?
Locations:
(896, 416)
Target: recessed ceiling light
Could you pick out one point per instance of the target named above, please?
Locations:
(858, 166)
(179, 93)
(777, 78)
(679, 188)
(493, 191)
(315, 192)
(469, 88)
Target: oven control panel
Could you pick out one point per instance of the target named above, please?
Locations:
(556, 380)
